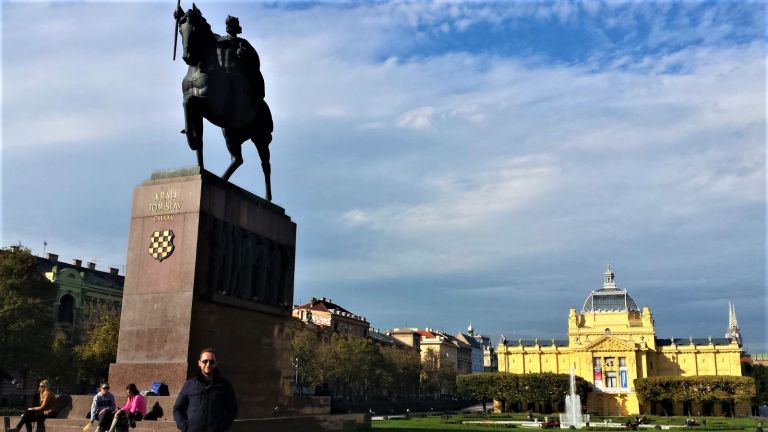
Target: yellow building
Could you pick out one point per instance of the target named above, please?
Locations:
(612, 342)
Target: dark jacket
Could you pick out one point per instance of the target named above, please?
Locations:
(205, 405)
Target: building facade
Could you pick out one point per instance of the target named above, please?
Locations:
(83, 294)
(611, 342)
(324, 313)
(476, 349)
(490, 360)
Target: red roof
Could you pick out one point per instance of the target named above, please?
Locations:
(323, 305)
(426, 333)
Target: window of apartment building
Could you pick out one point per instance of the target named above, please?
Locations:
(610, 379)
(596, 362)
(622, 362)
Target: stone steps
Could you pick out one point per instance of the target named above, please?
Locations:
(309, 423)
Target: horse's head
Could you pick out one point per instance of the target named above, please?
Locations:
(193, 27)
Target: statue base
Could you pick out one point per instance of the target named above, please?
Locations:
(209, 265)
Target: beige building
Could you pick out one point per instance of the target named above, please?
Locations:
(324, 313)
(611, 342)
(445, 349)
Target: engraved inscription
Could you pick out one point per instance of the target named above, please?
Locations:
(164, 202)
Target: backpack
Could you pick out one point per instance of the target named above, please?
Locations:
(159, 388)
(155, 413)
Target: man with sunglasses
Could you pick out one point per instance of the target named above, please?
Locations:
(103, 408)
(206, 403)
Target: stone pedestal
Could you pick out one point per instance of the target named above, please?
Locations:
(209, 264)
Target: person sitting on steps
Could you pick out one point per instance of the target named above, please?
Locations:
(134, 410)
(38, 414)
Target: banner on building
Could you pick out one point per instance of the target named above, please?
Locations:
(623, 377)
(598, 377)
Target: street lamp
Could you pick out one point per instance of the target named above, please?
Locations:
(296, 376)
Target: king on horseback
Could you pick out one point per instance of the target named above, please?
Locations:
(223, 85)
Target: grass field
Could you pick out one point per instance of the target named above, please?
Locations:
(453, 423)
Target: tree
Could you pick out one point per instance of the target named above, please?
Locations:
(354, 368)
(430, 383)
(701, 388)
(404, 367)
(446, 377)
(62, 365)
(26, 313)
(305, 351)
(479, 387)
(99, 347)
(759, 373)
(549, 389)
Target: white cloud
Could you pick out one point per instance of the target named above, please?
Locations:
(464, 200)
(419, 118)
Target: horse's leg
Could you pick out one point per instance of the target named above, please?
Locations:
(193, 122)
(235, 150)
(263, 148)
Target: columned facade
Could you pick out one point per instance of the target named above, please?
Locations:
(611, 342)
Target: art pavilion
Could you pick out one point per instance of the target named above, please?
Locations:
(611, 342)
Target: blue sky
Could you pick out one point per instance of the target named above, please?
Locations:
(445, 162)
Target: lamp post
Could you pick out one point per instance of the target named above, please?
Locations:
(296, 376)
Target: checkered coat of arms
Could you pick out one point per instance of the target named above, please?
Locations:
(161, 244)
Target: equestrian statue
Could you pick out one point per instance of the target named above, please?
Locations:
(223, 85)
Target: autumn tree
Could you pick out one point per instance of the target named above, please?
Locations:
(26, 313)
(99, 347)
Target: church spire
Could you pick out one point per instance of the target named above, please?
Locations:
(733, 332)
(470, 329)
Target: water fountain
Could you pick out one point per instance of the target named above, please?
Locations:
(573, 416)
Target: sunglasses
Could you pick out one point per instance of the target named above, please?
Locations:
(105, 388)
(210, 362)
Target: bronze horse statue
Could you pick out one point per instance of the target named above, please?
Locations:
(225, 89)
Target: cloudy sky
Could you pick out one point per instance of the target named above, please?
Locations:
(445, 162)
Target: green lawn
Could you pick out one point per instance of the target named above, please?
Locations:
(453, 423)
(430, 424)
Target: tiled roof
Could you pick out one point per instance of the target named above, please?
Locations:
(322, 305)
(325, 305)
(471, 341)
(426, 333)
(384, 339)
(541, 342)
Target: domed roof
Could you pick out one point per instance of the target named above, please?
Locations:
(609, 298)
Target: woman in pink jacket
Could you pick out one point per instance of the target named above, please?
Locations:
(134, 410)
